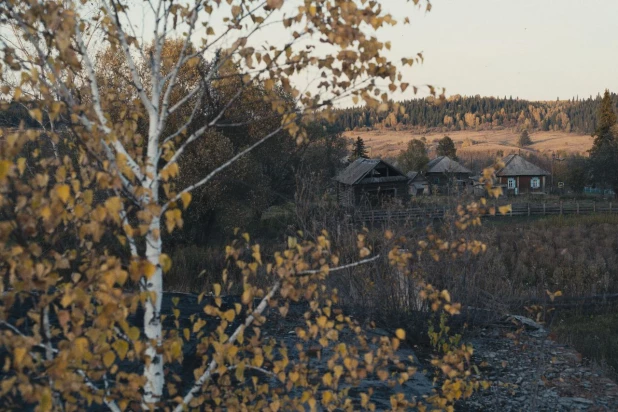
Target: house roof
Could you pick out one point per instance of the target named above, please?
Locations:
(416, 176)
(515, 165)
(444, 164)
(361, 168)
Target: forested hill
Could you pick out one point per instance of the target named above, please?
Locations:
(481, 113)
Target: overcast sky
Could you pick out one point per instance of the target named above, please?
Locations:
(534, 49)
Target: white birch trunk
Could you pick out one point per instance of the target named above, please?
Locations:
(153, 371)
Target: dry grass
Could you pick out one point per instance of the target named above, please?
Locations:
(388, 143)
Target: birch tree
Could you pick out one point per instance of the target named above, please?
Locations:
(82, 230)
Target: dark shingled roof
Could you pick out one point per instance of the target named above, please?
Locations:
(515, 165)
(361, 167)
(444, 164)
(416, 175)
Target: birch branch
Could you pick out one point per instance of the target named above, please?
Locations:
(262, 370)
(188, 122)
(258, 311)
(109, 403)
(222, 167)
(127, 52)
(228, 56)
(96, 97)
(177, 66)
(213, 364)
(338, 268)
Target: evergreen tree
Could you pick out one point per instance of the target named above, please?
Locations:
(524, 139)
(414, 158)
(446, 147)
(606, 120)
(359, 149)
(604, 152)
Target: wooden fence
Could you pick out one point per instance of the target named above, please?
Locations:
(517, 209)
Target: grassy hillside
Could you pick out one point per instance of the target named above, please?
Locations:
(388, 143)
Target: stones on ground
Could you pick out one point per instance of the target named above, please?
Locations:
(536, 373)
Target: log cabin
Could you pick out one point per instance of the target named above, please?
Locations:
(370, 183)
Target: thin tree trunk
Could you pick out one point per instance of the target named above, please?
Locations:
(153, 371)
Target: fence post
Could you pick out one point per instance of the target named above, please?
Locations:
(561, 207)
(543, 208)
(594, 206)
(610, 207)
(577, 203)
(528, 208)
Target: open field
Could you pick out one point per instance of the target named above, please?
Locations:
(388, 143)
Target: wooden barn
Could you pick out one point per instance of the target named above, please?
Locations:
(369, 183)
(444, 171)
(520, 176)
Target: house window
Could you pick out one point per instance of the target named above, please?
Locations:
(511, 183)
(535, 183)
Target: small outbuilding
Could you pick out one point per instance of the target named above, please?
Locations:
(418, 184)
(445, 172)
(370, 182)
(521, 176)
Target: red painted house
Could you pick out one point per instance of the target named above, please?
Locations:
(520, 176)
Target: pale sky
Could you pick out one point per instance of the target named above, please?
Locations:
(534, 49)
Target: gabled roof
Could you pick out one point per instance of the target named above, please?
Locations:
(444, 164)
(416, 176)
(361, 168)
(515, 165)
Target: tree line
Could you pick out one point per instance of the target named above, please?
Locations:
(480, 113)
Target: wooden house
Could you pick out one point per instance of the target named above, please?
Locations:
(445, 172)
(370, 182)
(521, 176)
(418, 184)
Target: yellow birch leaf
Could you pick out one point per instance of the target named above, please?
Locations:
(133, 333)
(504, 209)
(401, 334)
(229, 315)
(148, 269)
(18, 355)
(109, 358)
(46, 213)
(45, 404)
(21, 165)
(63, 192)
(5, 167)
(258, 360)
(170, 221)
(166, 262)
(121, 347)
(186, 199)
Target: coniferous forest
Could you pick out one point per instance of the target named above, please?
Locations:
(480, 113)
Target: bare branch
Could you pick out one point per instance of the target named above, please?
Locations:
(262, 370)
(127, 52)
(174, 73)
(338, 268)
